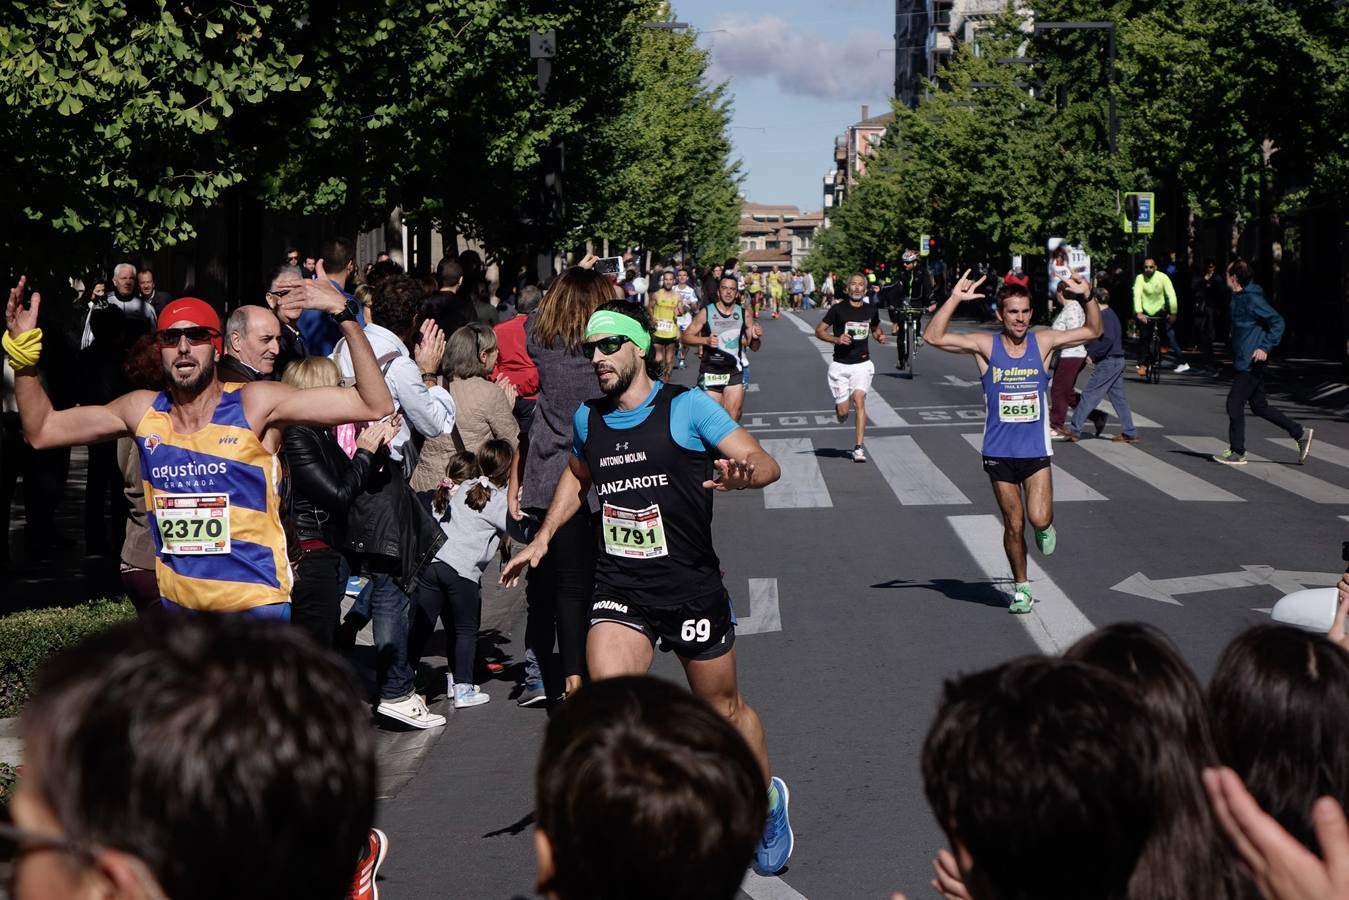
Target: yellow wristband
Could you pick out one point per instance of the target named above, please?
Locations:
(25, 349)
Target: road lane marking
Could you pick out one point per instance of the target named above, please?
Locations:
(1170, 480)
(1278, 474)
(799, 322)
(1140, 420)
(802, 484)
(913, 477)
(1055, 622)
(764, 613)
(1066, 487)
(1336, 456)
(761, 888)
(882, 414)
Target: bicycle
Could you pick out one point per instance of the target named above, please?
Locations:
(1152, 358)
(908, 343)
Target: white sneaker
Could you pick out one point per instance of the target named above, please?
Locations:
(1182, 368)
(858, 454)
(469, 695)
(410, 711)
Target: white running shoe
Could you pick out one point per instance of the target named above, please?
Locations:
(410, 711)
(1182, 368)
(466, 695)
(858, 454)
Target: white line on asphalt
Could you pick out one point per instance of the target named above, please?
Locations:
(761, 888)
(1140, 420)
(779, 426)
(1278, 474)
(764, 614)
(1066, 487)
(913, 477)
(801, 485)
(882, 414)
(1336, 456)
(800, 323)
(1055, 622)
(1175, 483)
(752, 387)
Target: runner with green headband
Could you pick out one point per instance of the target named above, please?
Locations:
(654, 453)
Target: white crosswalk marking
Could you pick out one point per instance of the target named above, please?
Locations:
(1336, 456)
(1055, 622)
(801, 485)
(1066, 487)
(1140, 421)
(913, 477)
(1281, 475)
(1163, 476)
(799, 322)
(757, 887)
(764, 612)
(882, 414)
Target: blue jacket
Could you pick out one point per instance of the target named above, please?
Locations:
(319, 332)
(1255, 324)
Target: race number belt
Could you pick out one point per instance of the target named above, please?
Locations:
(193, 524)
(711, 379)
(633, 533)
(1021, 406)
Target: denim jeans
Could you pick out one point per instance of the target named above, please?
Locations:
(389, 615)
(1107, 379)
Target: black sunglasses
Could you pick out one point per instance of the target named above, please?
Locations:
(608, 346)
(1149, 268)
(196, 335)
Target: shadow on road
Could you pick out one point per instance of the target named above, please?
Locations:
(984, 593)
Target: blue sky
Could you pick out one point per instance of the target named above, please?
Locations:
(799, 71)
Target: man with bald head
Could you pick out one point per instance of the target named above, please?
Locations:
(252, 341)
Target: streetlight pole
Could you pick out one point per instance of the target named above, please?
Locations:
(1109, 29)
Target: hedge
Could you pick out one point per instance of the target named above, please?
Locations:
(28, 638)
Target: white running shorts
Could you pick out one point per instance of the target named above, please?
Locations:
(845, 378)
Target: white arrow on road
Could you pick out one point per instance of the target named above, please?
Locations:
(955, 381)
(1166, 589)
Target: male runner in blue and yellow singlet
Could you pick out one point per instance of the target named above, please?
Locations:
(1015, 375)
(208, 450)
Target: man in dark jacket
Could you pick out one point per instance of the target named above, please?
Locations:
(1256, 330)
(912, 289)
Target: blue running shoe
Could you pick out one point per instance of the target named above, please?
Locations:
(775, 848)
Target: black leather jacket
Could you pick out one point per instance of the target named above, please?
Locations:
(323, 483)
(911, 288)
(390, 527)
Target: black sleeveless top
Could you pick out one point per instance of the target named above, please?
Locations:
(655, 542)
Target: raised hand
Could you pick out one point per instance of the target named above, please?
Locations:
(588, 261)
(316, 293)
(966, 289)
(508, 387)
(17, 318)
(430, 347)
(732, 475)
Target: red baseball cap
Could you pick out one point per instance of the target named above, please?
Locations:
(196, 311)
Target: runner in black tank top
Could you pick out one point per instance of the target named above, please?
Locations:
(654, 453)
(721, 372)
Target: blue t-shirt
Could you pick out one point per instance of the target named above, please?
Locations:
(697, 422)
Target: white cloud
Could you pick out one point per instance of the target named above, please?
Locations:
(801, 63)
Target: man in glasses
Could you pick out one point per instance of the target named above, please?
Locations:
(912, 289)
(1155, 296)
(654, 453)
(724, 333)
(208, 450)
(292, 346)
(213, 759)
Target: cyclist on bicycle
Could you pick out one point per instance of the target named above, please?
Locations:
(911, 290)
(1154, 296)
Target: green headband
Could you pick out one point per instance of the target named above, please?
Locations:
(607, 321)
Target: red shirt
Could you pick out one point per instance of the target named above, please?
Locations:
(513, 359)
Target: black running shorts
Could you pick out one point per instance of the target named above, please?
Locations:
(700, 629)
(1013, 469)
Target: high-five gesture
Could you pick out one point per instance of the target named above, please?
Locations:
(966, 289)
(19, 318)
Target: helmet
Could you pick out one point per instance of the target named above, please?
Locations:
(910, 256)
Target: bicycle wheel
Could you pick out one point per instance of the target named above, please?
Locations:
(911, 337)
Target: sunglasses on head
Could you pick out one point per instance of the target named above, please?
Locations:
(196, 335)
(608, 346)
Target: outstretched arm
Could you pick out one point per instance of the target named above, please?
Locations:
(937, 334)
(744, 464)
(44, 426)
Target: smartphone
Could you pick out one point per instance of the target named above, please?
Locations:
(609, 265)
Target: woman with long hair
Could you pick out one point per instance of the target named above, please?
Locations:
(559, 590)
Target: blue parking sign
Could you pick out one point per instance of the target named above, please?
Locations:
(1147, 211)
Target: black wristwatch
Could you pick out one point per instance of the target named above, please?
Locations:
(346, 315)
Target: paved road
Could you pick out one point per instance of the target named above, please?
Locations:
(870, 584)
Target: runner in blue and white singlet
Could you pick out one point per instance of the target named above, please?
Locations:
(1015, 379)
(724, 333)
(1015, 391)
